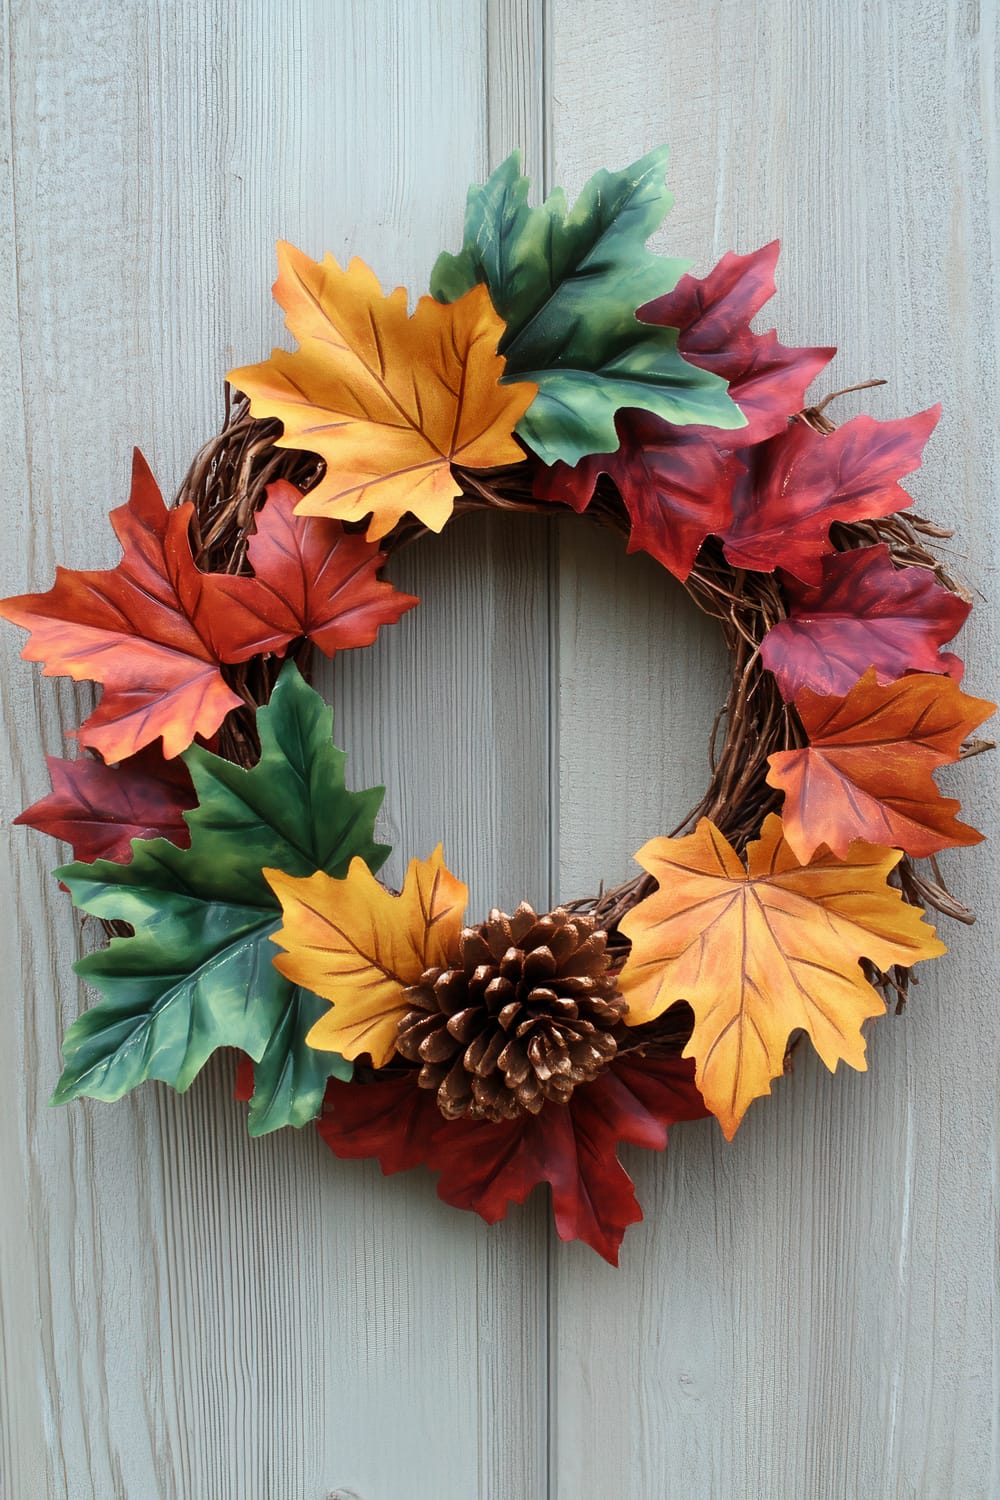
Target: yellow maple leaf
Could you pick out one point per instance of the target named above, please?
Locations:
(389, 401)
(357, 946)
(761, 951)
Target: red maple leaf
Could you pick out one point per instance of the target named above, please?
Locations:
(864, 613)
(100, 810)
(485, 1167)
(767, 380)
(677, 483)
(155, 630)
(794, 487)
(312, 578)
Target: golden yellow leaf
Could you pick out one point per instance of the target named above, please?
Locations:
(357, 946)
(389, 401)
(763, 951)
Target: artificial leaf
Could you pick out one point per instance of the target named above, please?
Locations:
(797, 484)
(567, 284)
(863, 613)
(866, 771)
(485, 1167)
(675, 483)
(764, 950)
(389, 401)
(155, 630)
(289, 1081)
(99, 810)
(767, 380)
(678, 483)
(197, 974)
(139, 628)
(312, 578)
(574, 1148)
(352, 942)
(772, 503)
(243, 1080)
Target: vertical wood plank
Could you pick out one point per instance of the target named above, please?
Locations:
(186, 1312)
(809, 1311)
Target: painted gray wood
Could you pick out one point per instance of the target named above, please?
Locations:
(809, 1311)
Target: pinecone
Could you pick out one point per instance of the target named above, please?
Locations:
(525, 1015)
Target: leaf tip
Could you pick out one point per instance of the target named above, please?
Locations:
(63, 1093)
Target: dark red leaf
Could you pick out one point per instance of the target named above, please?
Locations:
(797, 484)
(864, 613)
(312, 578)
(771, 387)
(100, 810)
(767, 380)
(714, 312)
(485, 1167)
(391, 1119)
(574, 1148)
(675, 483)
(244, 1081)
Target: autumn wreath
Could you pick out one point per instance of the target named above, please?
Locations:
(557, 362)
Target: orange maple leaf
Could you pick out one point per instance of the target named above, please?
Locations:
(145, 629)
(155, 630)
(357, 946)
(389, 401)
(763, 951)
(866, 771)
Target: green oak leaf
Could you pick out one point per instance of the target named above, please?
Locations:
(568, 283)
(197, 974)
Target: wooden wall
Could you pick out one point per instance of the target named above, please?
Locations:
(188, 1315)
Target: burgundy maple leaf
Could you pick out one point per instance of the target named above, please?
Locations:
(794, 486)
(863, 613)
(712, 314)
(675, 483)
(485, 1167)
(100, 809)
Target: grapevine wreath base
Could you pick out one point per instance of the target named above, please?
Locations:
(559, 365)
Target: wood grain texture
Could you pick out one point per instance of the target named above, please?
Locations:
(185, 1312)
(812, 1310)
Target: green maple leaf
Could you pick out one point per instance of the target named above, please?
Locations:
(568, 283)
(197, 974)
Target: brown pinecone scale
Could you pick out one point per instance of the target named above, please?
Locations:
(525, 1014)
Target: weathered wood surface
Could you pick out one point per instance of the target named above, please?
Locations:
(810, 1311)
